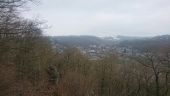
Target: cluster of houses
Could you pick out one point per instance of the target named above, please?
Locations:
(95, 52)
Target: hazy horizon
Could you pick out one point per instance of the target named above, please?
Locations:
(103, 17)
(111, 35)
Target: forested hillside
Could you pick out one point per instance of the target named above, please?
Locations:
(157, 43)
(30, 65)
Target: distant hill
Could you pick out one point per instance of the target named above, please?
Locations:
(83, 41)
(155, 43)
(120, 37)
(141, 43)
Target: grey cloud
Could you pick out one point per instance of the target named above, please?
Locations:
(105, 17)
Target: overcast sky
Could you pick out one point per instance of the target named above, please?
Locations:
(104, 17)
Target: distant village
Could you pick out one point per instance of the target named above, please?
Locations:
(95, 52)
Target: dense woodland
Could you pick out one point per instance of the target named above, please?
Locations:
(30, 66)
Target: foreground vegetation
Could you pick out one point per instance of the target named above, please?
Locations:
(30, 66)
